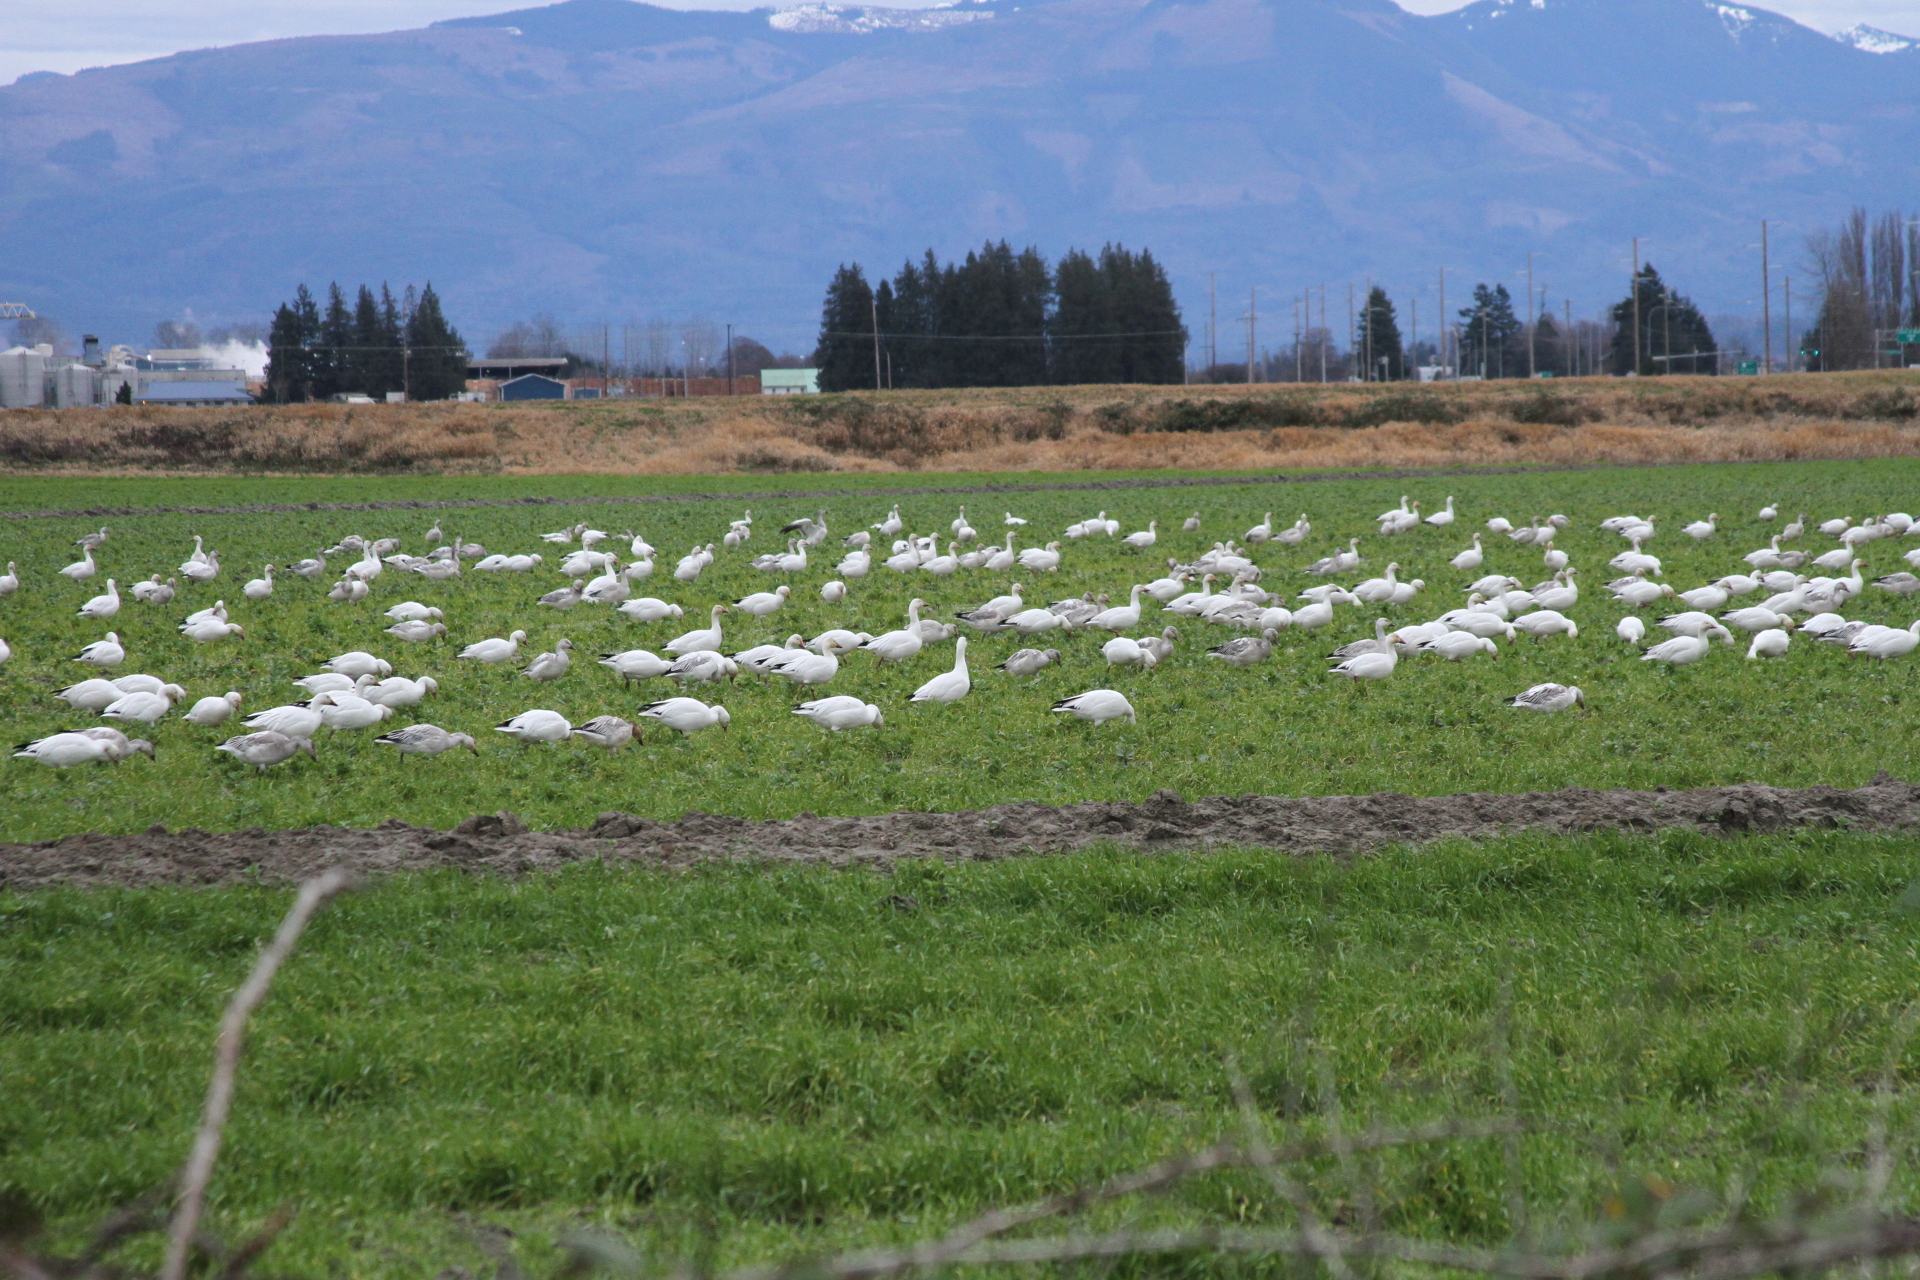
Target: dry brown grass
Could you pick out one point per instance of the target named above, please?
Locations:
(1025, 429)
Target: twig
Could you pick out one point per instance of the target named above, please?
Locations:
(314, 895)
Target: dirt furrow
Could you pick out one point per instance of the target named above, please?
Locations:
(501, 843)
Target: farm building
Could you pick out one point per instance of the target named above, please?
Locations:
(790, 382)
(533, 386)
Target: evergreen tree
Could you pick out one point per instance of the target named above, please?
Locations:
(1672, 336)
(438, 356)
(362, 360)
(1376, 340)
(390, 369)
(1083, 320)
(290, 349)
(1550, 351)
(1153, 345)
(845, 353)
(332, 372)
(1488, 331)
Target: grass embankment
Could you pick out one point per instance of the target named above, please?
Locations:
(739, 1063)
(1283, 727)
(1566, 422)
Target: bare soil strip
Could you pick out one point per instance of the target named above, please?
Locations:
(807, 495)
(502, 845)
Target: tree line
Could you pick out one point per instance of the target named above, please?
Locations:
(375, 346)
(1868, 292)
(1000, 318)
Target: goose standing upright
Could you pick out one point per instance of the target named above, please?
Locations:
(1441, 519)
(703, 638)
(1470, 559)
(898, 646)
(950, 686)
(100, 608)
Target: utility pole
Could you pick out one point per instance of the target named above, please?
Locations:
(873, 303)
(1323, 331)
(1787, 283)
(1299, 335)
(1566, 339)
(1367, 341)
(1213, 325)
(1766, 300)
(1636, 305)
(606, 364)
(1533, 369)
(1413, 329)
(729, 360)
(1252, 325)
(1443, 322)
(1350, 331)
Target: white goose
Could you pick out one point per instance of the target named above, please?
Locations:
(538, 725)
(950, 686)
(553, 664)
(607, 732)
(707, 637)
(100, 608)
(898, 646)
(635, 664)
(1679, 651)
(10, 580)
(1441, 519)
(358, 662)
(807, 667)
(261, 587)
(687, 716)
(1470, 559)
(1097, 706)
(1122, 618)
(838, 713)
(1146, 537)
(494, 651)
(267, 748)
(296, 720)
(649, 609)
(1549, 698)
(1770, 643)
(83, 568)
(104, 653)
(1041, 560)
(138, 708)
(211, 711)
(398, 691)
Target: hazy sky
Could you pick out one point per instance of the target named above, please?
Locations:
(59, 35)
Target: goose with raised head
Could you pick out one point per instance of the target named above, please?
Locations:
(1549, 698)
(1040, 559)
(707, 637)
(756, 658)
(102, 607)
(349, 591)
(538, 725)
(552, 664)
(1123, 618)
(1340, 562)
(83, 568)
(1471, 559)
(687, 716)
(10, 581)
(1882, 643)
(1145, 538)
(1378, 590)
(564, 597)
(764, 604)
(807, 666)
(948, 686)
(1377, 665)
(1441, 519)
(898, 646)
(1261, 532)
(104, 653)
(1700, 530)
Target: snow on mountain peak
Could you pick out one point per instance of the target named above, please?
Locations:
(1873, 40)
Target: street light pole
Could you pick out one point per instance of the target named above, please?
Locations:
(1766, 300)
(1636, 306)
(1533, 369)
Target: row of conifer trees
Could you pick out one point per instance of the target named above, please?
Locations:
(373, 347)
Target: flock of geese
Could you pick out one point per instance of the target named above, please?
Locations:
(357, 690)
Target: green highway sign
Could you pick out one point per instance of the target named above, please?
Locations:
(1905, 336)
(1747, 367)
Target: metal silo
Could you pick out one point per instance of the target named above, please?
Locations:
(23, 379)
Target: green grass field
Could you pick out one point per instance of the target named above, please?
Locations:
(1282, 727)
(740, 1063)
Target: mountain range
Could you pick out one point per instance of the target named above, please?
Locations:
(605, 160)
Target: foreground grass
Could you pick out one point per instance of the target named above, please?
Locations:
(741, 1062)
(1283, 727)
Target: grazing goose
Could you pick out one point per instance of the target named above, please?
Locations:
(703, 667)
(1190, 604)
(539, 725)
(898, 646)
(358, 662)
(1470, 559)
(90, 695)
(809, 667)
(104, 653)
(298, 720)
(1122, 652)
(139, 708)
(1032, 622)
(1755, 618)
(1028, 662)
(1549, 698)
(950, 686)
(208, 630)
(331, 682)
(838, 713)
(1296, 535)
(398, 691)
(608, 732)
(1097, 706)
(494, 651)
(1768, 512)
(1247, 650)
(1771, 643)
(705, 638)
(414, 611)
(1709, 598)
(1547, 622)
(648, 609)
(551, 665)
(1882, 643)
(349, 711)
(834, 591)
(1314, 616)
(437, 570)
(83, 568)
(1900, 584)
(100, 608)
(267, 748)
(687, 716)
(1630, 629)
(1641, 593)
(1691, 623)
(64, 750)
(564, 597)
(1456, 646)
(311, 567)
(415, 631)
(1679, 651)
(349, 591)
(635, 664)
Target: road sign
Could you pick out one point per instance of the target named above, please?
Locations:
(1749, 367)
(1905, 336)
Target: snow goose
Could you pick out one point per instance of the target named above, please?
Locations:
(1562, 593)
(1768, 512)
(649, 609)
(707, 637)
(838, 713)
(898, 646)
(949, 686)
(704, 667)
(90, 695)
(1499, 524)
(1641, 593)
(808, 667)
(296, 720)
(415, 631)
(1261, 532)
(1122, 652)
(1145, 538)
(261, 587)
(368, 567)
(1547, 622)
(1477, 622)
(943, 566)
(564, 597)
(635, 664)
(562, 535)
(1700, 530)
(840, 638)
(1168, 588)
(1394, 513)
(1296, 534)
(348, 711)
(1882, 643)
(1001, 559)
(1831, 628)
(552, 664)
(358, 662)
(64, 750)
(138, 708)
(1247, 650)
(1795, 528)
(686, 716)
(494, 651)
(690, 566)
(610, 587)
(892, 525)
(414, 611)
(1123, 618)
(1553, 559)
(1160, 646)
(1630, 629)
(102, 607)
(311, 567)
(1709, 597)
(1097, 706)
(855, 564)
(638, 571)
(104, 653)
(1691, 623)
(1549, 698)
(764, 604)
(1771, 643)
(1755, 618)
(1456, 646)
(91, 541)
(834, 591)
(1900, 584)
(1635, 560)
(607, 732)
(10, 581)
(1495, 605)
(1368, 666)
(398, 691)
(1028, 662)
(1378, 590)
(1190, 604)
(1314, 616)
(1470, 559)
(83, 568)
(349, 591)
(1679, 651)
(1441, 519)
(521, 564)
(1191, 524)
(756, 658)
(857, 540)
(1767, 557)
(1041, 560)
(539, 725)
(1402, 522)
(1340, 562)
(1079, 610)
(1835, 560)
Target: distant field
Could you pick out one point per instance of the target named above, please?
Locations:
(744, 1063)
(1564, 422)
(1283, 727)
